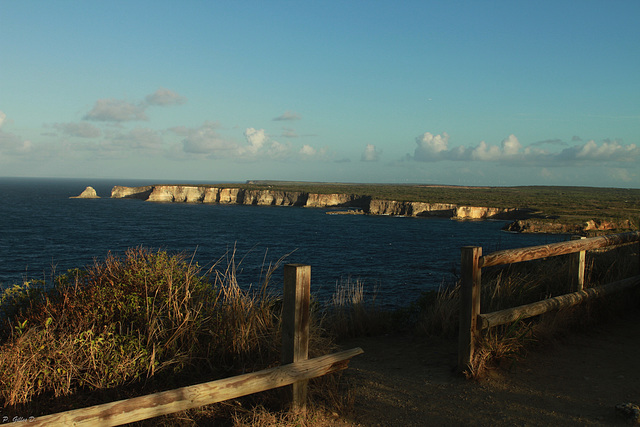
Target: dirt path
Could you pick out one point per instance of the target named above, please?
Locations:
(400, 381)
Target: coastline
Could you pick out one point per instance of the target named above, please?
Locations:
(523, 219)
(273, 197)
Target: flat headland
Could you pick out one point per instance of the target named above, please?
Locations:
(532, 209)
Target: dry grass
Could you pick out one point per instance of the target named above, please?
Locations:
(439, 312)
(351, 313)
(136, 324)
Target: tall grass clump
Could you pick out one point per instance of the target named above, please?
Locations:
(138, 322)
(352, 312)
(438, 313)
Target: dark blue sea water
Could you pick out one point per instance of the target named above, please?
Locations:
(44, 231)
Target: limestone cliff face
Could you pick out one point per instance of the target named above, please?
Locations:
(176, 193)
(211, 195)
(274, 198)
(446, 210)
(119, 192)
(201, 194)
(330, 200)
(472, 212)
(392, 207)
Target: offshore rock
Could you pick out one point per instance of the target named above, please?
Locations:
(88, 193)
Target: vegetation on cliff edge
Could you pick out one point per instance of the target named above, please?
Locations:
(569, 205)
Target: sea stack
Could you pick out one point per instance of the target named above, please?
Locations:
(88, 193)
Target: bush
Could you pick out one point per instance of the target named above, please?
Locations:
(130, 319)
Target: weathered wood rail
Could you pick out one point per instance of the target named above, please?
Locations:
(296, 371)
(472, 322)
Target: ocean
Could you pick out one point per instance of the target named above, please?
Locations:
(44, 233)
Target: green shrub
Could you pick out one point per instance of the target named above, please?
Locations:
(131, 318)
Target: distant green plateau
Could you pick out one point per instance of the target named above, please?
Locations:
(568, 205)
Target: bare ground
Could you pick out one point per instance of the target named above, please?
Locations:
(576, 380)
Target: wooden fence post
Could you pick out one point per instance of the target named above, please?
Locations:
(578, 266)
(295, 324)
(638, 247)
(469, 304)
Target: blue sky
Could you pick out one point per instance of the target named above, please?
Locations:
(458, 92)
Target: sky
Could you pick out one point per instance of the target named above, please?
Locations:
(459, 92)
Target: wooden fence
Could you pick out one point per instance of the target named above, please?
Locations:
(472, 322)
(296, 371)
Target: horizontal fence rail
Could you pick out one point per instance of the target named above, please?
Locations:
(513, 314)
(472, 322)
(296, 370)
(181, 399)
(510, 256)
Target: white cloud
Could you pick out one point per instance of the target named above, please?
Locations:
(277, 150)
(288, 115)
(370, 154)
(2, 117)
(308, 151)
(165, 97)
(436, 147)
(261, 146)
(511, 146)
(431, 147)
(81, 130)
(484, 152)
(256, 139)
(607, 151)
(115, 110)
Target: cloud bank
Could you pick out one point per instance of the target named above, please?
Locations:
(115, 110)
(118, 110)
(163, 97)
(434, 148)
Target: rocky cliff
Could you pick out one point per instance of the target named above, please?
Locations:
(590, 227)
(205, 194)
(119, 192)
